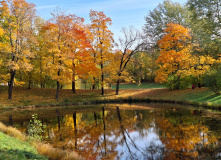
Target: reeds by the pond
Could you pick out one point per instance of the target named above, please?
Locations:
(55, 153)
(13, 132)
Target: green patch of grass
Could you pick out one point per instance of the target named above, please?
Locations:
(11, 148)
(200, 96)
(139, 86)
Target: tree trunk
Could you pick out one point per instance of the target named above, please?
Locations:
(57, 92)
(11, 82)
(93, 86)
(58, 86)
(73, 84)
(102, 85)
(73, 79)
(102, 81)
(117, 86)
(29, 82)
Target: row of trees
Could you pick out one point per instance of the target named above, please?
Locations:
(50, 53)
(186, 39)
(180, 44)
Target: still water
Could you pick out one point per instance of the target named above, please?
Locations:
(143, 131)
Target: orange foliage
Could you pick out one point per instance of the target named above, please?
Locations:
(175, 52)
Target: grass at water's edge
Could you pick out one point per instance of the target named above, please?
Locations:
(42, 97)
(15, 145)
(12, 148)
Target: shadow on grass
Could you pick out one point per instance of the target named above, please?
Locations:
(19, 154)
(211, 98)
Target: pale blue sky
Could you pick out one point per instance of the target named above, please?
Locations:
(124, 13)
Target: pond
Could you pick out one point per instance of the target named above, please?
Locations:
(141, 131)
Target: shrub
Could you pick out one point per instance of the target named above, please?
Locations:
(213, 79)
(36, 129)
(175, 82)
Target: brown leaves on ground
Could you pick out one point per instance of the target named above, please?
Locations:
(43, 96)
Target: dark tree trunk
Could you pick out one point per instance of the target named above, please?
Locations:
(73, 84)
(29, 82)
(11, 82)
(73, 80)
(93, 86)
(58, 86)
(117, 86)
(102, 80)
(57, 92)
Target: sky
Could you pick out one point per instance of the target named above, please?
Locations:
(124, 13)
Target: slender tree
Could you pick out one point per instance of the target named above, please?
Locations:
(129, 44)
(102, 40)
(17, 18)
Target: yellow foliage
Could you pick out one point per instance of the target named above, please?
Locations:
(18, 83)
(1, 32)
(175, 54)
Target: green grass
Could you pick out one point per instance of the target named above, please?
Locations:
(141, 86)
(13, 149)
(202, 96)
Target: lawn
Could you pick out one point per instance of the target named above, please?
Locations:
(11, 148)
(139, 86)
(46, 97)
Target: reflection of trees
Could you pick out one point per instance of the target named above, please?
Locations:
(185, 137)
(99, 134)
(149, 152)
(132, 134)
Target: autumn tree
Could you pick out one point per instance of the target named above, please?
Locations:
(58, 58)
(40, 76)
(129, 44)
(174, 59)
(17, 17)
(102, 41)
(200, 65)
(78, 44)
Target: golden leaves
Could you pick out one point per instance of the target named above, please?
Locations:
(175, 57)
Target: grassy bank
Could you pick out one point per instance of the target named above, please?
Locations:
(13, 145)
(46, 97)
(12, 148)
(139, 86)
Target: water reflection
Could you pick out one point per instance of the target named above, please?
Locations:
(134, 133)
